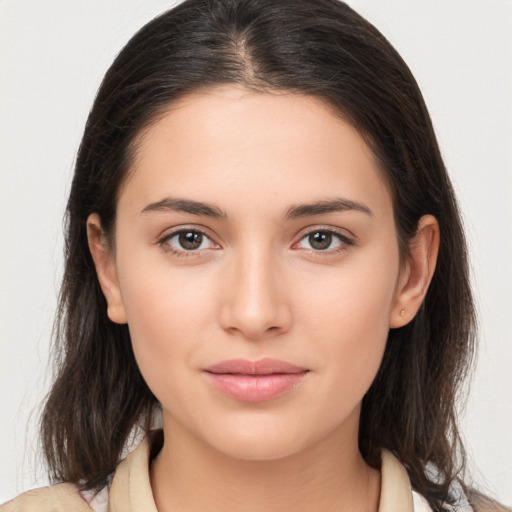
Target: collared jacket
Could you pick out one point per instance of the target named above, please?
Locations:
(130, 491)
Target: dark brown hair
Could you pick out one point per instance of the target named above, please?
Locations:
(320, 48)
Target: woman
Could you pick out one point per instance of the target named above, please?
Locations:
(264, 245)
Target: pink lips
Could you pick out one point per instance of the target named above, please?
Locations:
(254, 381)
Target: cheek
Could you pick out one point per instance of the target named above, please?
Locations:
(349, 316)
(167, 312)
(355, 298)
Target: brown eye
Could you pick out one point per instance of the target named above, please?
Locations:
(190, 240)
(186, 241)
(320, 240)
(324, 240)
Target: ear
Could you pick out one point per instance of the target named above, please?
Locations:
(104, 262)
(417, 273)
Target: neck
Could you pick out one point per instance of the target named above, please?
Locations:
(331, 475)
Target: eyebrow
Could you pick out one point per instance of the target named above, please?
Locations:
(336, 204)
(297, 211)
(186, 206)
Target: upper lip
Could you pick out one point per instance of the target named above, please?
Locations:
(265, 366)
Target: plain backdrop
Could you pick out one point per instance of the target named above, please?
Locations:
(53, 55)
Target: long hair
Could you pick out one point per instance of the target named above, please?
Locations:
(320, 48)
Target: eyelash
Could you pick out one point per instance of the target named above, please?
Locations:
(345, 242)
(181, 254)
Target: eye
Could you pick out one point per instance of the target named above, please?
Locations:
(186, 241)
(324, 240)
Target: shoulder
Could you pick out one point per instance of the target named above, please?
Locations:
(63, 497)
(131, 473)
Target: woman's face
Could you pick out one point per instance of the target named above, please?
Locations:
(255, 227)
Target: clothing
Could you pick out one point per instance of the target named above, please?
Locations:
(130, 491)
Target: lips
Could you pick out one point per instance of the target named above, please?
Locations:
(254, 381)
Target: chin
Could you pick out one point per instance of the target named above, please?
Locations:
(265, 441)
(263, 449)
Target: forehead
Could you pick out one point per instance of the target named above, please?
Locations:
(233, 144)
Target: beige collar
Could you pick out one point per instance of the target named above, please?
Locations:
(131, 488)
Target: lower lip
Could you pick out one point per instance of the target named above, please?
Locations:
(255, 388)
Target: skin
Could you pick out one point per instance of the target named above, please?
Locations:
(259, 286)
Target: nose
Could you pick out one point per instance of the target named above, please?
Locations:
(256, 303)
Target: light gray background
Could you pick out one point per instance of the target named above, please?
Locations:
(52, 57)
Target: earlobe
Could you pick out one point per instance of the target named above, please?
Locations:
(417, 273)
(105, 269)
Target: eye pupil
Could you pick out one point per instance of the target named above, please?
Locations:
(320, 240)
(190, 240)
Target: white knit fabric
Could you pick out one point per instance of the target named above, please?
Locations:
(420, 503)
